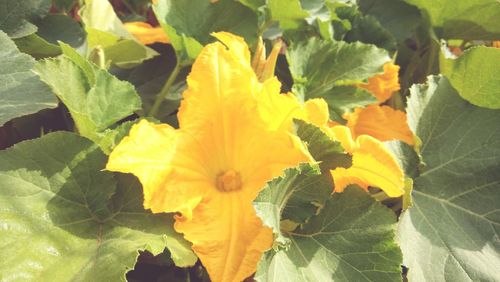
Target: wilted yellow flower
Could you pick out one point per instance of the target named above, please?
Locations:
(496, 44)
(212, 167)
(383, 85)
(381, 122)
(146, 34)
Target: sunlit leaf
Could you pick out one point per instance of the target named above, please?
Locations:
(72, 220)
(451, 231)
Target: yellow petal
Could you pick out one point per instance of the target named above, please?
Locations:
(343, 135)
(381, 122)
(383, 85)
(151, 152)
(316, 111)
(146, 34)
(372, 165)
(496, 44)
(227, 236)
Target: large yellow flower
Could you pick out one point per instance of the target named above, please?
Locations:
(212, 168)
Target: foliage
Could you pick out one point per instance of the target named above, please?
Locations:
(240, 171)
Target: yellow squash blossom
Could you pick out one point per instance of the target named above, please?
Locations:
(147, 34)
(383, 85)
(381, 122)
(212, 167)
(372, 164)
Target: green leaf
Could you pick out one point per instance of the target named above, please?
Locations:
(288, 13)
(318, 66)
(37, 47)
(469, 20)
(16, 16)
(398, 17)
(81, 222)
(344, 99)
(105, 29)
(95, 98)
(188, 23)
(476, 76)
(21, 91)
(368, 30)
(54, 28)
(322, 148)
(451, 232)
(295, 196)
(51, 29)
(351, 239)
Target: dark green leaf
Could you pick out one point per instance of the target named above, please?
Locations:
(351, 239)
(16, 16)
(318, 66)
(188, 23)
(451, 232)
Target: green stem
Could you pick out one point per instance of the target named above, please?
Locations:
(164, 91)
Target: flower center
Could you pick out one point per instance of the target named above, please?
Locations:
(229, 180)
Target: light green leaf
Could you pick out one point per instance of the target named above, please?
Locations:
(351, 239)
(21, 91)
(451, 231)
(105, 29)
(318, 66)
(188, 23)
(452, 19)
(95, 99)
(476, 76)
(81, 223)
(288, 13)
(16, 17)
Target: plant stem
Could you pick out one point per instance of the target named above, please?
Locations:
(164, 91)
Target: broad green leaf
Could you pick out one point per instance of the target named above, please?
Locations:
(288, 13)
(51, 29)
(351, 239)
(63, 214)
(477, 19)
(16, 17)
(105, 29)
(368, 30)
(322, 148)
(344, 99)
(95, 98)
(37, 47)
(398, 17)
(476, 76)
(295, 196)
(188, 23)
(21, 91)
(54, 28)
(406, 156)
(451, 231)
(318, 66)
